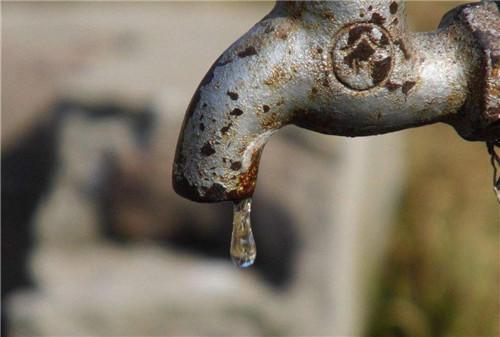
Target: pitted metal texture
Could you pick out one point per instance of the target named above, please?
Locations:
(479, 30)
(344, 68)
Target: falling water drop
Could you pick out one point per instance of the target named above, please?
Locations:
(243, 250)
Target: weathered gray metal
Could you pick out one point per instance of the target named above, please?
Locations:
(342, 68)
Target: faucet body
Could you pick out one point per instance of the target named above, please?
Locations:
(343, 68)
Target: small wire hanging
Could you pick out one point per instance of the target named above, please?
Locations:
(493, 146)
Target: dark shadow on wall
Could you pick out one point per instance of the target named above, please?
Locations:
(28, 168)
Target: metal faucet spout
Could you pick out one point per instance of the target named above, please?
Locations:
(230, 118)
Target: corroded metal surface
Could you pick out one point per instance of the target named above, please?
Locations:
(478, 27)
(342, 68)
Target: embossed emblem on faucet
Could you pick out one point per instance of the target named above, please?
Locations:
(362, 56)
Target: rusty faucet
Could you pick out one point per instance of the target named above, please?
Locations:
(348, 68)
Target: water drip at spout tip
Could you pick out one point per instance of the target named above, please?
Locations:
(243, 249)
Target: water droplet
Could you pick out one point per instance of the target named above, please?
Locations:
(243, 250)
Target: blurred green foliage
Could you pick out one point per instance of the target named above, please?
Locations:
(441, 275)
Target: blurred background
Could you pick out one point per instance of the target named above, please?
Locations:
(394, 235)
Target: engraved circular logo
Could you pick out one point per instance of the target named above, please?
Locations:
(362, 56)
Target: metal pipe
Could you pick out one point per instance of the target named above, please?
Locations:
(341, 68)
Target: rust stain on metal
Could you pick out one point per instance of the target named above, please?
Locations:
(249, 51)
(329, 15)
(295, 9)
(269, 28)
(207, 149)
(384, 40)
(324, 82)
(313, 93)
(282, 33)
(402, 47)
(247, 180)
(381, 69)
(356, 32)
(232, 95)
(272, 123)
(236, 166)
(391, 86)
(361, 52)
(278, 75)
(225, 129)
(236, 112)
(407, 86)
(377, 19)
(393, 8)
